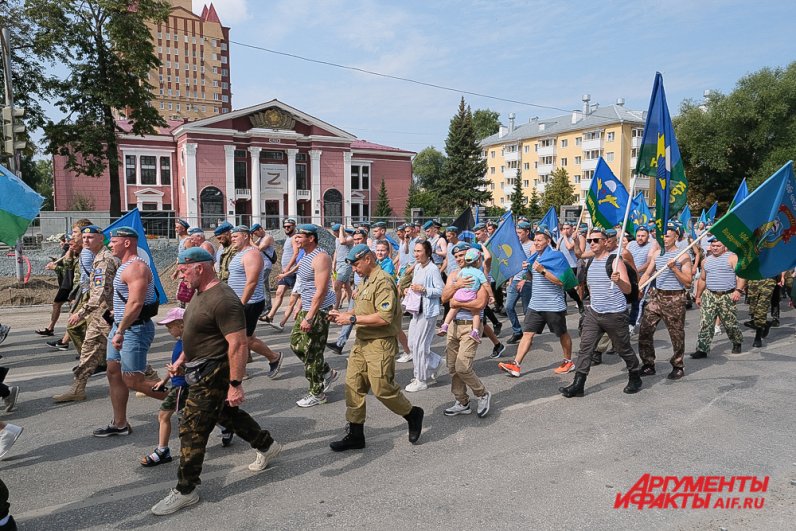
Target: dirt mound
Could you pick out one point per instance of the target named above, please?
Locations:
(39, 290)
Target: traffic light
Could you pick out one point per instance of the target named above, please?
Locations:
(13, 129)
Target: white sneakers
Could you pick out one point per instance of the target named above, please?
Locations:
(8, 436)
(404, 358)
(312, 400)
(483, 404)
(457, 409)
(174, 501)
(262, 459)
(416, 385)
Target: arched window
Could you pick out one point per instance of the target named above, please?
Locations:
(211, 204)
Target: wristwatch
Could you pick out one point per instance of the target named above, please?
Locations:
(353, 319)
(234, 383)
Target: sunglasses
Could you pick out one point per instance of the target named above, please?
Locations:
(594, 240)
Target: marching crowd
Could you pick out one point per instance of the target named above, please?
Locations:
(445, 285)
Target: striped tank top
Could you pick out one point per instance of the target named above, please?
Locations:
(545, 296)
(640, 254)
(237, 277)
(667, 280)
(719, 275)
(605, 296)
(569, 254)
(120, 287)
(287, 252)
(306, 275)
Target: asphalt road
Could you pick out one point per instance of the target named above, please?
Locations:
(537, 461)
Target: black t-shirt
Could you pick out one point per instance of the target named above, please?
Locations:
(210, 316)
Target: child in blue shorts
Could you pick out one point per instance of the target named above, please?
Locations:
(472, 259)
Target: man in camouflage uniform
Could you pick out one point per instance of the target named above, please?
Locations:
(371, 364)
(760, 292)
(225, 250)
(717, 291)
(92, 312)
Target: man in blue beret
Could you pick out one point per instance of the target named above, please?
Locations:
(439, 247)
(371, 363)
(342, 271)
(286, 279)
(225, 251)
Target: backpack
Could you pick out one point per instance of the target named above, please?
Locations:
(632, 276)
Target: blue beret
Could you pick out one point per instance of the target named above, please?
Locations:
(476, 245)
(491, 223)
(289, 220)
(193, 255)
(241, 228)
(91, 229)
(712, 239)
(348, 231)
(479, 226)
(308, 228)
(362, 232)
(365, 224)
(542, 229)
(402, 226)
(609, 232)
(336, 227)
(184, 223)
(524, 225)
(461, 246)
(255, 227)
(195, 230)
(417, 223)
(357, 252)
(124, 232)
(642, 227)
(379, 225)
(428, 224)
(221, 229)
(452, 228)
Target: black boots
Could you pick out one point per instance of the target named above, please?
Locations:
(415, 420)
(758, 342)
(355, 440)
(698, 355)
(596, 357)
(633, 382)
(576, 388)
(766, 329)
(736, 348)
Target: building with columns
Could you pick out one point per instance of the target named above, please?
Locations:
(254, 165)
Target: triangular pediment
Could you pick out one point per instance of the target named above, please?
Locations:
(272, 115)
(148, 191)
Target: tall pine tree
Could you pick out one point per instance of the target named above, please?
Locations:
(518, 199)
(383, 208)
(463, 183)
(534, 208)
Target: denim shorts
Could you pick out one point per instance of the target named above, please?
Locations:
(137, 340)
(344, 272)
(288, 281)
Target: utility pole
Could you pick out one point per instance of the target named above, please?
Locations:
(5, 38)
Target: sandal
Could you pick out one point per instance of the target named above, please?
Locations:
(157, 457)
(47, 332)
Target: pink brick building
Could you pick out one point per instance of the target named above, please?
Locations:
(258, 164)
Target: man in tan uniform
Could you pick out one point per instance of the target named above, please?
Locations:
(371, 363)
(92, 311)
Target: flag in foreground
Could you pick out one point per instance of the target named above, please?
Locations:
(19, 205)
(607, 197)
(506, 250)
(133, 219)
(551, 221)
(556, 263)
(639, 212)
(659, 157)
(761, 230)
(740, 195)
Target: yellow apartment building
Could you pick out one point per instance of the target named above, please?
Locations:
(574, 142)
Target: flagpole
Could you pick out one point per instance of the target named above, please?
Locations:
(681, 253)
(624, 222)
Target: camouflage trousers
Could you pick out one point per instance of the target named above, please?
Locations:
(723, 307)
(94, 347)
(77, 332)
(204, 408)
(669, 307)
(309, 347)
(760, 300)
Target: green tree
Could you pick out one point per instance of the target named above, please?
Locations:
(750, 132)
(494, 212)
(518, 199)
(427, 167)
(420, 198)
(463, 183)
(108, 56)
(559, 191)
(534, 207)
(38, 174)
(486, 123)
(383, 208)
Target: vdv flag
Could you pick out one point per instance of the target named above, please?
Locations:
(506, 250)
(556, 263)
(659, 157)
(761, 230)
(703, 218)
(740, 195)
(19, 205)
(711, 215)
(133, 220)
(607, 197)
(551, 221)
(685, 220)
(640, 214)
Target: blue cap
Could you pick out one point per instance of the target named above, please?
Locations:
(195, 230)
(379, 225)
(479, 226)
(224, 227)
(255, 227)
(472, 256)
(184, 223)
(91, 229)
(461, 246)
(193, 255)
(452, 228)
(241, 228)
(336, 227)
(524, 225)
(542, 229)
(124, 232)
(357, 252)
(307, 228)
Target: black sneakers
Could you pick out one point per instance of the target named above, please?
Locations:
(676, 374)
(334, 347)
(226, 437)
(698, 355)
(110, 430)
(58, 345)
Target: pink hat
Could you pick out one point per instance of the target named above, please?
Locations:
(175, 314)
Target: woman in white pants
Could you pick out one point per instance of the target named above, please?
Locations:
(427, 282)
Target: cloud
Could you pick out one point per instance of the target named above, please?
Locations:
(230, 12)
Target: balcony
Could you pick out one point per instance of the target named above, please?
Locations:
(635, 142)
(303, 194)
(546, 151)
(633, 161)
(511, 156)
(545, 169)
(588, 164)
(243, 193)
(643, 182)
(585, 184)
(589, 145)
(509, 173)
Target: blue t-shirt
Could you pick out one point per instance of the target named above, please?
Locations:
(476, 274)
(387, 266)
(177, 381)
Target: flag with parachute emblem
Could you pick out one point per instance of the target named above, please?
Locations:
(607, 197)
(659, 158)
(640, 214)
(506, 250)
